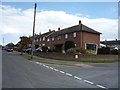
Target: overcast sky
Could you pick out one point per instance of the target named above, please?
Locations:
(17, 18)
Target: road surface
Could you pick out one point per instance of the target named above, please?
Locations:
(22, 73)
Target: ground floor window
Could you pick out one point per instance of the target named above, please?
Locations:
(91, 46)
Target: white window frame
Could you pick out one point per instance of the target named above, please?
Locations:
(66, 36)
(53, 38)
(74, 34)
(48, 39)
(40, 39)
(43, 38)
(92, 43)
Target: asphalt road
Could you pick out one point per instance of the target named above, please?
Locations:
(21, 73)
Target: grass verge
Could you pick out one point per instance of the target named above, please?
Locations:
(28, 57)
(90, 60)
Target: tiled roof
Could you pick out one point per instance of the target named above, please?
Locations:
(112, 42)
(45, 34)
(76, 28)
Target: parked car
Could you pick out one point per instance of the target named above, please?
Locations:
(9, 49)
(3, 48)
(29, 50)
(39, 49)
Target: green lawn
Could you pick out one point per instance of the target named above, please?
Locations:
(91, 60)
(28, 57)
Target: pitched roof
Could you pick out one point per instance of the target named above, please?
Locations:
(76, 28)
(112, 42)
(44, 34)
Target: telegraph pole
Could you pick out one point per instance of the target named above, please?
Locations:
(33, 31)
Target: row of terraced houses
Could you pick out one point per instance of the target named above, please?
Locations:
(80, 34)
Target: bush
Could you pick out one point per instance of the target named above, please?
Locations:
(71, 50)
(68, 45)
(81, 50)
(115, 52)
(44, 48)
(90, 52)
(104, 50)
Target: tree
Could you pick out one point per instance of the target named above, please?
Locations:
(69, 44)
(10, 45)
(25, 41)
(44, 48)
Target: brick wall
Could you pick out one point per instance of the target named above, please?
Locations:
(54, 54)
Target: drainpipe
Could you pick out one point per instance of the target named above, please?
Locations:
(81, 36)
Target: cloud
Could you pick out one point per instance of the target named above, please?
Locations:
(18, 22)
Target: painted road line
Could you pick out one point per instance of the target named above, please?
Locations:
(40, 63)
(37, 62)
(50, 67)
(56, 70)
(101, 86)
(62, 72)
(68, 74)
(47, 66)
(77, 78)
(88, 82)
(44, 65)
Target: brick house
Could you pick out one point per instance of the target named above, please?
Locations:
(112, 44)
(80, 34)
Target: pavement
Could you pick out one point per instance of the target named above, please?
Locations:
(75, 64)
(19, 72)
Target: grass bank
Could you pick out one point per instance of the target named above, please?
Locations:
(90, 60)
(28, 57)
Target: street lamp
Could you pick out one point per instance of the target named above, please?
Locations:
(33, 31)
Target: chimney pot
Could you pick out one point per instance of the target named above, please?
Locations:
(59, 29)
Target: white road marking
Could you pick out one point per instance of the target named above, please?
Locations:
(44, 65)
(68, 74)
(47, 66)
(101, 86)
(56, 70)
(77, 78)
(88, 82)
(62, 72)
(37, 62)
(50, 67)
(40, 63)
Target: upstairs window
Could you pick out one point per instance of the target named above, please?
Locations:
(53, 39)
(40, 39)
(59, 37)
(43, 38)
(48, 39)
(74, 34)
(66, 36)
(37, 40)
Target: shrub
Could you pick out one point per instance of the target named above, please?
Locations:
(104, 50)
(44, 48)
(90, 52)
(81, 50)
(71, 50)
(115, 52)
(68, 45)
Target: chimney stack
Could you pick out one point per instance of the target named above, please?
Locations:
(59, 29)
(79, 22)
(49, 30)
